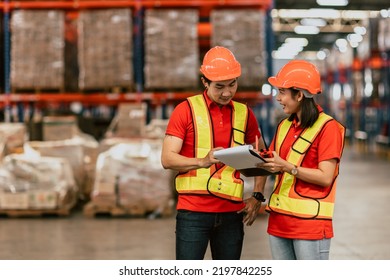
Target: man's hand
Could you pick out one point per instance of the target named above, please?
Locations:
(251, 210)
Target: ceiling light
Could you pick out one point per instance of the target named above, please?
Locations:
(341, 43)
(324, 13)
(355, 38)
(332, 2)
(384, 13)
(266, 89)
(300, 29)
(351, 14)
(321, 55)
(313, 22)
(354, 44)
(310, 13)
(361, 30)
(336, 92)
(292, 48)
(283, 55)
(347, 90)
(297, 41)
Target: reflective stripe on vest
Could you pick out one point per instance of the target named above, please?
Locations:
(284, 198)
(220, 182)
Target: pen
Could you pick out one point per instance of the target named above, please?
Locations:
(257, 143)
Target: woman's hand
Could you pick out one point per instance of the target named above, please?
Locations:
(273, 164)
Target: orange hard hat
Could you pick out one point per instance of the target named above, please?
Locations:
(298, 74)
(219, 64)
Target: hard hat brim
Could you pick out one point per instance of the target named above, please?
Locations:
(279, 84)
(217, 78)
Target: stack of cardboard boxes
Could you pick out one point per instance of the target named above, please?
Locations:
(37, 49)
(243, 32)
(105, 49)
(171, 49)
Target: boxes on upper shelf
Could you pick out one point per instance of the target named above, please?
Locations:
(105, 49)
(243, 32)
(171, 49)
(37, 49)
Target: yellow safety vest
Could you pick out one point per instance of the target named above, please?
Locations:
(285, 199)
(219, 182)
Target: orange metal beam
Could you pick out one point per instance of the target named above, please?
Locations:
(204, 29)
(84, 4)
(113, 98)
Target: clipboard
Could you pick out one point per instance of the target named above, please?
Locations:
(244, 159)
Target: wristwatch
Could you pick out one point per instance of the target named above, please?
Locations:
(294, 171)
(259, 196)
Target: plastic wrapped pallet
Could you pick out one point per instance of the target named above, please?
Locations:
(156, 128)
(12, 137)
(129, 121)
(105, 49)
(36, 183)
(81, 152)
(171, 49)
(59, 127)
(130, 175)
(243, 32)
(37, 49)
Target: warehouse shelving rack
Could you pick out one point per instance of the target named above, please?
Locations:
(158, 101)
(367, 118)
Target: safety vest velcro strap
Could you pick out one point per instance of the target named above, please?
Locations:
(305, 208)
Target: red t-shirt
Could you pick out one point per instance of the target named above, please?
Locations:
(327, 145)
(181, 125)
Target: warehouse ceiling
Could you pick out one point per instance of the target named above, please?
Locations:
(334, 23)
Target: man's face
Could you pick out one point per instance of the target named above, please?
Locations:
(221, 92)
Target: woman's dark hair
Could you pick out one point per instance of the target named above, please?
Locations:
(309, 110)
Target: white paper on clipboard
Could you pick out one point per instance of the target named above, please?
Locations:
(239, 157)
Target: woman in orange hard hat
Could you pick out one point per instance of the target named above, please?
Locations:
(210, 208)
(307, 149)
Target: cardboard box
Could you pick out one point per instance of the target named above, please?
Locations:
(37, 49)
(130, 121)
(59, 127)
(43, 199)
(171, 49)
(105, 49)
(243, 32)
(19, 200)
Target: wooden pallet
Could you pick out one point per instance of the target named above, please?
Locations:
(92, 209)
(36, 90)
(19, 213)
(108, 90)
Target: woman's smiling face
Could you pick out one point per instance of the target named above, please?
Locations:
(290, 104)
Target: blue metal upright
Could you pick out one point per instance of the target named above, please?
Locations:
(138, 58)
(267, 124)
(7, 85)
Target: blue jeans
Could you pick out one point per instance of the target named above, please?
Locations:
(194, 230)
(298, 249)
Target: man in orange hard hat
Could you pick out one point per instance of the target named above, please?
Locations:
(210, 207)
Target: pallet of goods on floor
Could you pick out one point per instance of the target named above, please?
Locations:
(119, 175)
